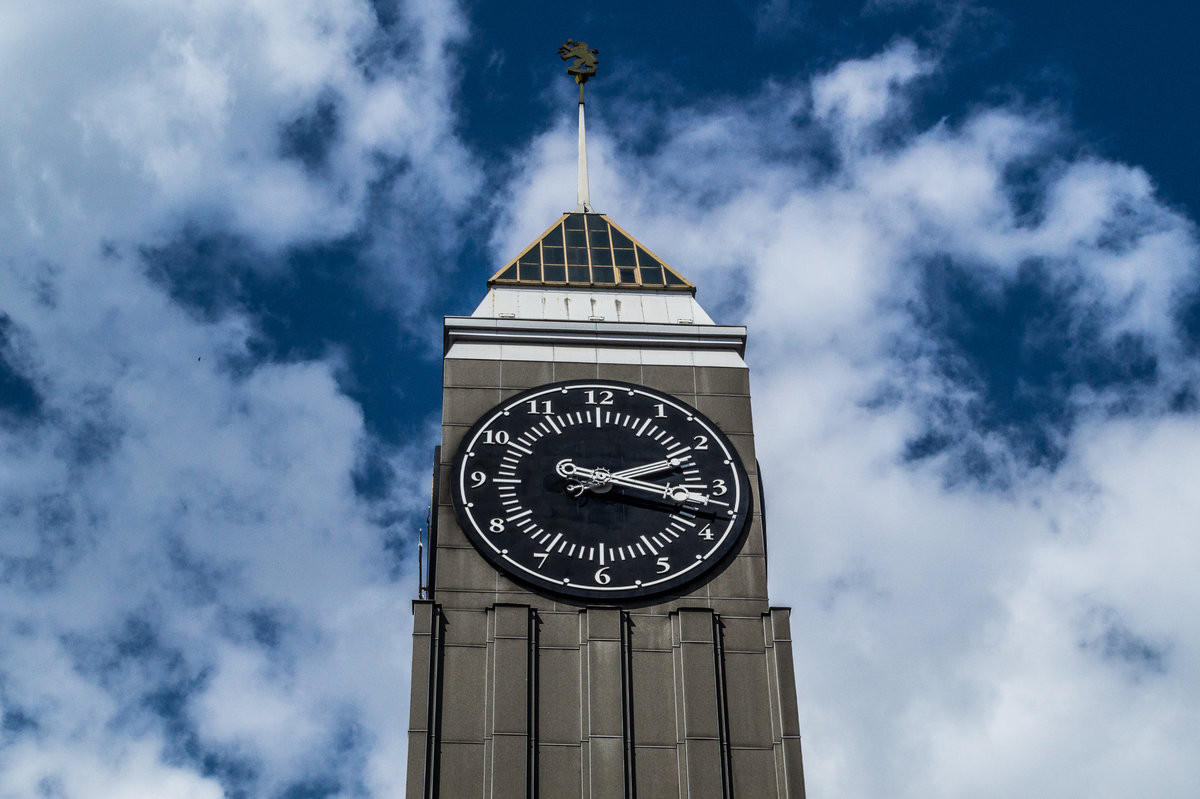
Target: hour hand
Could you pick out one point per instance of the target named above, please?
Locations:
(650, 468)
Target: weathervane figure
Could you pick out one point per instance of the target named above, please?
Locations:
(585, 62)
(583, 68)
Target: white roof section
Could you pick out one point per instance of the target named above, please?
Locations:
(596, 326)
(596, 305)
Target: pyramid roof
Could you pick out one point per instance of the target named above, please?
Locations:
(587, 250)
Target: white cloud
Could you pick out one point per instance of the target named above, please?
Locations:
(123, 117)
(134, 773)
(859, 94)
(194, 597)
(1010, 630)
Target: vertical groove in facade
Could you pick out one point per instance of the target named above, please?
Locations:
(722, 708)
(627, 708)
(531, 700)
(424, 765)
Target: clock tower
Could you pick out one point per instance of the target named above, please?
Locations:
(595, 622)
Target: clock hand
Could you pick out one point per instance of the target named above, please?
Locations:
(601, 478)
(678, 493)
(566, 468)
(650, 468)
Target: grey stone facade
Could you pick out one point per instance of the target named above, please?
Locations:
(515, 694)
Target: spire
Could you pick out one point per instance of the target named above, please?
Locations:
(584, 249)
(583, 69)
(584, 196)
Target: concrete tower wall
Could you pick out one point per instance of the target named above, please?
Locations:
(516, 694)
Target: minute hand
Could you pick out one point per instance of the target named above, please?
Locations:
(676, 493)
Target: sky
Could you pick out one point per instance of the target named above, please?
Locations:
(963, 237)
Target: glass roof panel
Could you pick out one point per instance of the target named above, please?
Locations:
(652, 275)
(577, 255)
(582, 250)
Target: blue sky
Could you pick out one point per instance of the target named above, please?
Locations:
(962, 234)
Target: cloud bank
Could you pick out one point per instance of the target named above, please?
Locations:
(197, 598)
(975, 398)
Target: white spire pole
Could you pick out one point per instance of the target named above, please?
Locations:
(585, 200)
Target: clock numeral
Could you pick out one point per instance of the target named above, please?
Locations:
(701, 442)
(542, 407)
(496, 437)
(660, 411)
(496, 525)
(541, 556)
(606, 397)
(602, 576)
(719, 489)
(664, 565)
(478, 479)
(707, 533)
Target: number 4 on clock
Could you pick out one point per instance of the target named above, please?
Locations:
(707, 533)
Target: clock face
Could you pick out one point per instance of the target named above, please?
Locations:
(596, 489)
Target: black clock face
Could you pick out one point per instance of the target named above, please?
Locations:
(598, 489)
